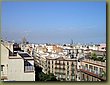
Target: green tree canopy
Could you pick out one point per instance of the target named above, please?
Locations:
(93, 56)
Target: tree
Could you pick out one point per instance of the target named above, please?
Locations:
(46, 77)
(40, 76)
(99, 58)
(51, 77)
(38, 70)
(103, 74)
(94, 56)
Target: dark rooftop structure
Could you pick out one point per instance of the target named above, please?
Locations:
(23, 54)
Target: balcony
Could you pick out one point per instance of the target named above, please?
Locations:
(94, 73)
(90, 70)
(60, 68)
(29, 68)
(99, 63)
(60, 73)
(59, 63)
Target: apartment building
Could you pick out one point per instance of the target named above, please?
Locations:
(16, 65)
(92, 70)
(4, 62)
(40, 60)
(93, 66)
(63, 68)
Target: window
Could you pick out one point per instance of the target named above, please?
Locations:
(83, 77)
(102, 48)
(72, 65)
(67, 72)
(55, 61)
(79, 78)
(63, 63)
(67, 77)
(48, 62)
(96, 70)
(91, 68)
(86, 66)
(73, 78)
(67, 67)
(2, 67)
(78, 60)
(76, 76)
(52, 68)
(101, 70)
(82, 66)
(67, 63)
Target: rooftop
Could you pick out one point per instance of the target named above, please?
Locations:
(25, 55)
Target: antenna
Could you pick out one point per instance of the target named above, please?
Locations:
(71, 42)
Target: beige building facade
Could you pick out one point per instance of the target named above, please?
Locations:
(16, 67)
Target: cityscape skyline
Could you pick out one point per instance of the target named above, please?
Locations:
(54, 22)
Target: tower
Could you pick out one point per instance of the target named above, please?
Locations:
(24, 40)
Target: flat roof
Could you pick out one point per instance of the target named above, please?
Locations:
(25, 55)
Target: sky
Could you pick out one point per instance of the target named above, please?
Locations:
(54, 22)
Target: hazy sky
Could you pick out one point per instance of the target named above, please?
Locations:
(54, 22)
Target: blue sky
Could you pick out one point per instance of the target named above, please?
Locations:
(54, 22)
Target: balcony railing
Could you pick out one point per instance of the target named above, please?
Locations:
(90, 70)
(60, 73)
(60, 68)
(95, 73)
(95, 62)
(59, 63)
(29, 68)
